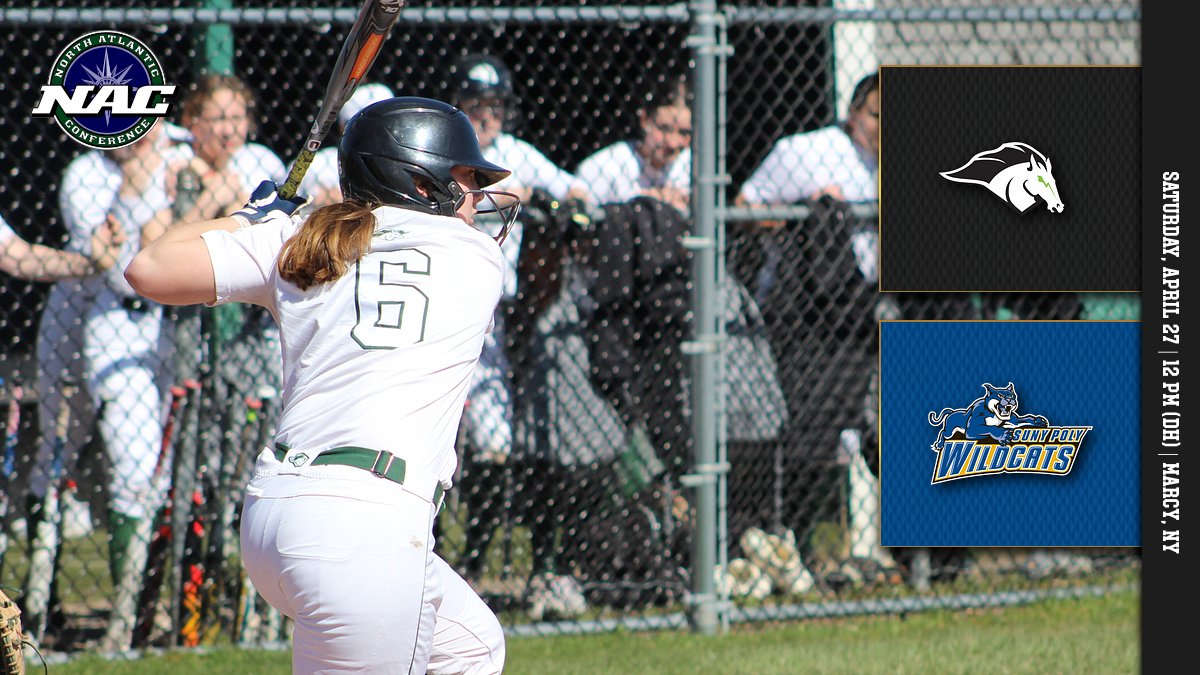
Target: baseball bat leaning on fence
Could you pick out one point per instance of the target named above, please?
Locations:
(221, 500)
(238, 577)
(187, 521)
(249, 625)
(144, 573)
(47, 534)
(183, 476)
(371, 28)
(12, 432)
(192, 579)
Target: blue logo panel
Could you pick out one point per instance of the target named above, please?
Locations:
(1010, 433)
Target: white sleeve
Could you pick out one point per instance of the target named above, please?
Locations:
(322, 174)
(535, 170)
(780, 179)
(610, 175)
(6, 232)
(259, 163)
(680, 173)
(592, 178)
(244, 261)
(86, 195)
(274, 167)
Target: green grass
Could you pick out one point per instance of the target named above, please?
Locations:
(1090, 635)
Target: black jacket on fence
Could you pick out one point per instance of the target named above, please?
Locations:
(640, 297)
(639, 272)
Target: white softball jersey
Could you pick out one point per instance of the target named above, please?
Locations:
(530, 168)
(87, 191)
(252, 163)
(800, 165)
(617, 174)
(123, 349)
(383, 357)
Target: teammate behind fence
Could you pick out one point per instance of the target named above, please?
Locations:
(231, 350)
(384, 301)
(840, 160)
(482, 88)
(97, 332)
(657, 164)
(831, 260)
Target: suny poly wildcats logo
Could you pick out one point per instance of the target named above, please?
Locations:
(989, 437)
(1014, 172)
(106, 90)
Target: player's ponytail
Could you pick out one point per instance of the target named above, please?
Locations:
(328, 242)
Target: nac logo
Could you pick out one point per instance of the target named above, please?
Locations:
(106, 90)
(989, 437)
(1014, 172)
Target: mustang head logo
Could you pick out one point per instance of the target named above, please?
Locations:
(1014, 172)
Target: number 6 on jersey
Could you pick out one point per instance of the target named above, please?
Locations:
(391, 310)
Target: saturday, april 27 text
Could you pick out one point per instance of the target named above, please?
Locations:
(1170, 350)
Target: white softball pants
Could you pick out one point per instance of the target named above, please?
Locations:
(60, 355)
(349, 557)
(127, 354)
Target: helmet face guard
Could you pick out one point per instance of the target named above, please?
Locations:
(391, 146)
(496, 212)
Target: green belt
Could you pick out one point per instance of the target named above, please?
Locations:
(379, 462)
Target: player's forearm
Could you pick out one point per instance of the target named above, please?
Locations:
(55, 264)
(176, 269)
(36, 262)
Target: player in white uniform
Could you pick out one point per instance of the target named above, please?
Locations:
(221, 167)
(659, 164)
(840, 160)
(211, 176)
(117, 334)
(36, 262)
(219, 114)
(483, 89)
(321, 181)
(379, 343)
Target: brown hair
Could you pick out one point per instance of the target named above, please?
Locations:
(863, 89)
(858, 99)
(206, 87)
(328, 242)
(665, 92)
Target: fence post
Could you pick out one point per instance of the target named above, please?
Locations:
(706, 340)
(216, 42)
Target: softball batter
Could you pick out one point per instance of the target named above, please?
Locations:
(383, 302)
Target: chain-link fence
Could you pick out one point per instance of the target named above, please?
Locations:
(580, 499)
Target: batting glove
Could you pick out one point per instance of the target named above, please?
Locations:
(265, 203)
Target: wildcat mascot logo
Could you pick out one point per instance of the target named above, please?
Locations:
(989, 437)
(1014, 172)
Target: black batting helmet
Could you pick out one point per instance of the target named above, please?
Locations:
(477, 76)
(391, 144)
